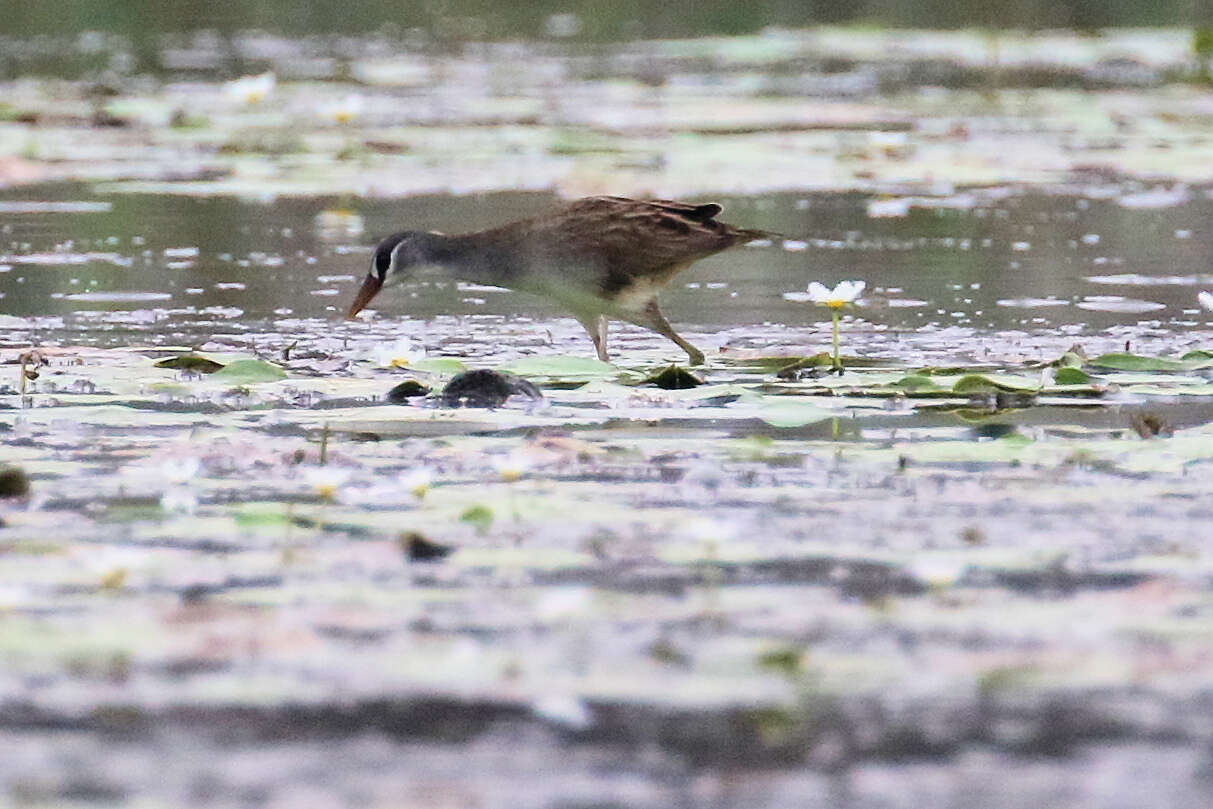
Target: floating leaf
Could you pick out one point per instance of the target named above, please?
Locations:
(1133, 362)
(438, 365)
(248, 372)
(258, 515)
(993, 383)
(785, 660)
(916, 382)
(1070, 375)
(793, 414)
(1071, 359)
(563, 367)
(191, 362)
(479, 517)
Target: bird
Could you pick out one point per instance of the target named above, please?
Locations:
(601, 258)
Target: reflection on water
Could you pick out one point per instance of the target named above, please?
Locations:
(171, 268)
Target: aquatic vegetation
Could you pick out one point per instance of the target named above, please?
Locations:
(674, 378)
(514, 466)
(406, 390)
(14, 482)
(419, 549)
(845, 293)
(417, 481)
(213, 455)
(251, 89)
(326, 480)
(401, 353)
(345, 110)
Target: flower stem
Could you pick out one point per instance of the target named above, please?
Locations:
(837, 360)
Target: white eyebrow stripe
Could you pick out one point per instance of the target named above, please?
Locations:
(391, 267)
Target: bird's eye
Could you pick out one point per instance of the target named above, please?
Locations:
(383, 260)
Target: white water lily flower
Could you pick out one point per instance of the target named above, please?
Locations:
(513, 466)
(417, 481)
(251, 89)
(845, 292)
(400, 354)
(326, 480)
(1206, 300)
(344, 110)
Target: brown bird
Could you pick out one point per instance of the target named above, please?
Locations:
(600, 257)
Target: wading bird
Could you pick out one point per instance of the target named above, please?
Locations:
(600, 258)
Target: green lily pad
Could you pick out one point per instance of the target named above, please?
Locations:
(248, 372)
(438, 365)
(992, 383)
(1071, 359)
(562, 367)
(1133, 362)
(259, 515)
(915, 382)
(1071, 375)
(479, 517)
(793, 414)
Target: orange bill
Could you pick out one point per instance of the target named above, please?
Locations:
(369, 288)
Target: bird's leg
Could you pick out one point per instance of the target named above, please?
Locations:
(653, 319)
(596, 327)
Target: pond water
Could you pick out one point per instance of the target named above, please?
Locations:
(174, 269)
(925, 572)
(972, 569)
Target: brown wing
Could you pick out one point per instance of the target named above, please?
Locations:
(609, 248)
(637, 238)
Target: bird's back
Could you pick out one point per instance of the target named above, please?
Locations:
(613, 245)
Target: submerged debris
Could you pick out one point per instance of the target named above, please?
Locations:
(486, 388)
(191, 362)
(1150, 425)
(419, 549)
(408, 389)
(13, 482)
(674, 378)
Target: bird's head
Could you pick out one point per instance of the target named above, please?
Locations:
(392, 262)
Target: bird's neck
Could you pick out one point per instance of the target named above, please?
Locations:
(467, 257)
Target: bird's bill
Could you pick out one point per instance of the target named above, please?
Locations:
(370, 287)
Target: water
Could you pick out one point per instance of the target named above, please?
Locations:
(989, 260)
(955, 570)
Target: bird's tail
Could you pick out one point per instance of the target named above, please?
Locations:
(746, 235)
